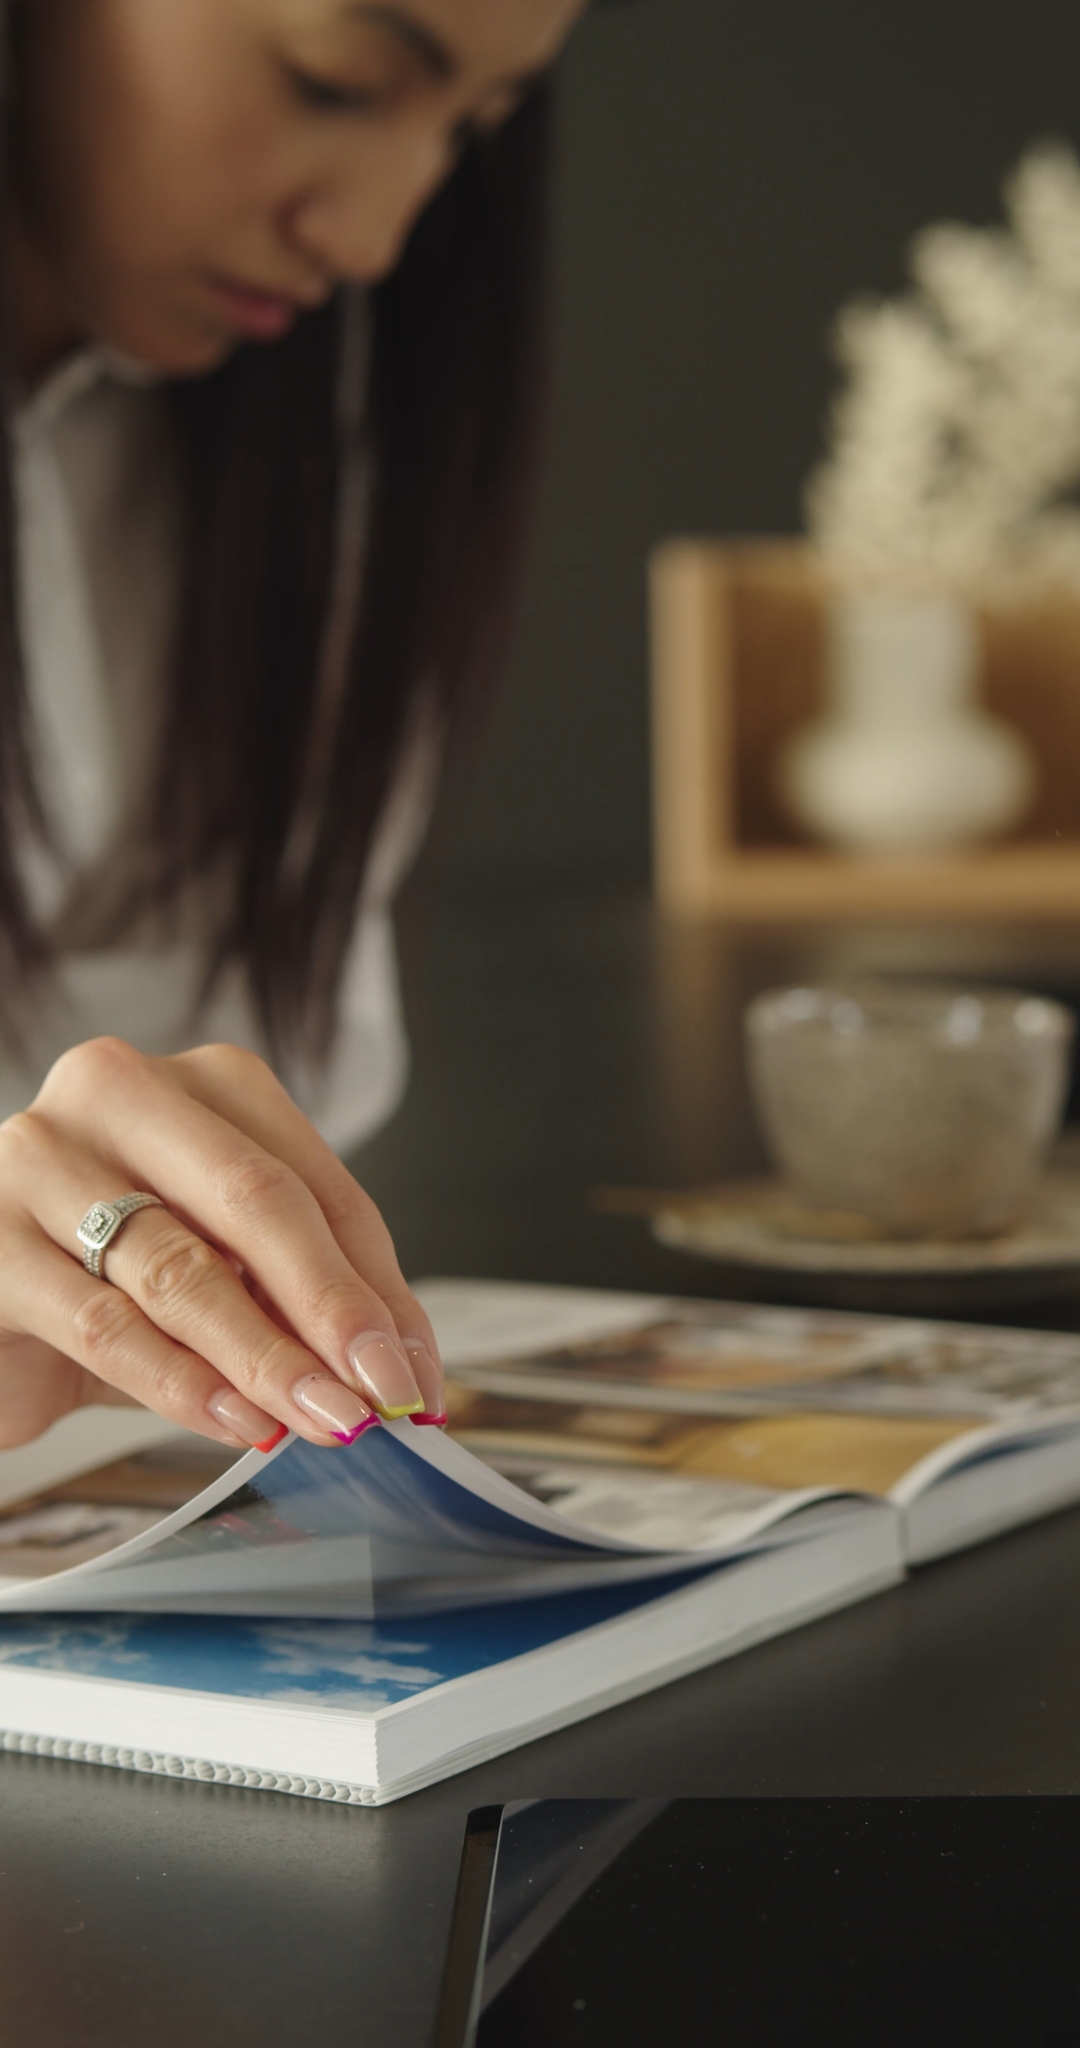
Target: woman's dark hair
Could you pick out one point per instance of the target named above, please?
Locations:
(279, 746)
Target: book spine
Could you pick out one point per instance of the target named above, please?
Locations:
(157, 1764)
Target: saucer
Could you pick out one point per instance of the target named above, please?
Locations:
(759, 1229)
(761, 1223)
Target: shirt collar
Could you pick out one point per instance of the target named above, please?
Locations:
(72, 379)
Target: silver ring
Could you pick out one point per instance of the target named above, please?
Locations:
(104, 1222)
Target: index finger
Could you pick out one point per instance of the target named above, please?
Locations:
(241, 1089)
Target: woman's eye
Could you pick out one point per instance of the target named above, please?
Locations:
(328, 98)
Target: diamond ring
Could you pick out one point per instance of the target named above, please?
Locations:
(104, 1222)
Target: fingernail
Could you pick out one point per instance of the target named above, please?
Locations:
(429, 1379)
(385, 1376)
(245, 1420)
(332, 1406)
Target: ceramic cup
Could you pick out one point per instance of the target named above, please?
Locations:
(925, 1107)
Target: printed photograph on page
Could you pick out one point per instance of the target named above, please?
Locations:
(87, 1517)
(626, 1471)
(744, 1360)
(986, 1376)
(712, 1350)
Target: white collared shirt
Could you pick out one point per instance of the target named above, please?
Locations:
(98, 582)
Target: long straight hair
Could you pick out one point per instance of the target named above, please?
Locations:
(279, 747)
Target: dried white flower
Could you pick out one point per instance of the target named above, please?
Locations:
(956, 440)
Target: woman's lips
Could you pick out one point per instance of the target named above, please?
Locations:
(265, 316)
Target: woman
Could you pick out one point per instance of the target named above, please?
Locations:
(273, 279)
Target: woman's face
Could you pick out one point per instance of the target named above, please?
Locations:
(197, 172)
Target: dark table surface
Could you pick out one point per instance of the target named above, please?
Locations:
(558, 1045)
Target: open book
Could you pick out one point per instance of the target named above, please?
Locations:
(631, 1487)
(966, 1430)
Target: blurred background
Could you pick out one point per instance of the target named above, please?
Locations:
(730, 175)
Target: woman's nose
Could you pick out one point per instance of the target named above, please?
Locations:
(355, 224)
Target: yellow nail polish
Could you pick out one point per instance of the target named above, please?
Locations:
(384, 1376)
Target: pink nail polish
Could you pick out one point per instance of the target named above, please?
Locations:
(430, 1421)
(361, 1430)
(429, 1379)
(340, 1413)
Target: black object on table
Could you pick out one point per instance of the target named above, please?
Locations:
(764, 1923)
(557, 1046)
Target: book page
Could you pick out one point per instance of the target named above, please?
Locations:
(87, 1517)
(646, 1477)
(749, 1396)
(733, 1359)
(482, 1319)
(1000, 1376)
(692, 1358)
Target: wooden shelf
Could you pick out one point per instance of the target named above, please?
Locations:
(737, 662)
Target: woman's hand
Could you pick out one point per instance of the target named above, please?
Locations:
(264, 1295)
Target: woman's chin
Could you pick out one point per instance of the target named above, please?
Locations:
(174, 349)
(200, 362)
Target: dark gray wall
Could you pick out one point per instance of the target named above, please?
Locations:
(730, 173)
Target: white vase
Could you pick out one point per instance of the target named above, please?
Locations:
(904, 760)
